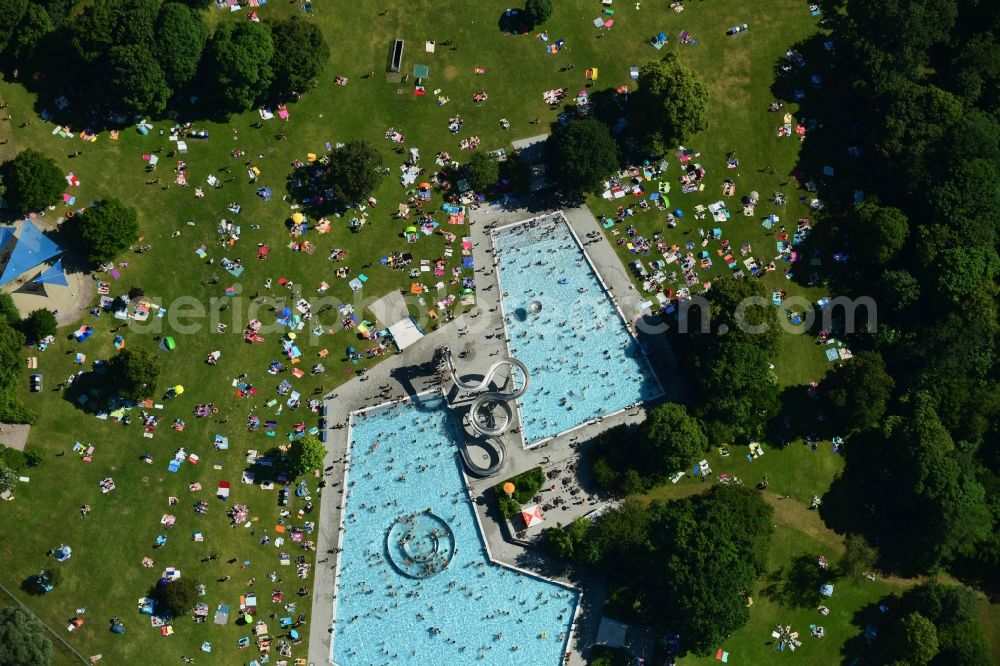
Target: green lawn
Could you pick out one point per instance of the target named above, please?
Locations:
(104, 574)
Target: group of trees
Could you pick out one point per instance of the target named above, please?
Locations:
(688, 565)
(930, 624)
(150, 53)
(727, 351)
(670, 105)
(23, 641)
(632, 460)
(920, 84)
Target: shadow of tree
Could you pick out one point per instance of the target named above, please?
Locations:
(797, 584)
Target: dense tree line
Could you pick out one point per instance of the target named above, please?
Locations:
(153, 55)
(921, 85)
(688, 565)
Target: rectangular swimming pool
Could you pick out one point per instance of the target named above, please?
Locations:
(415, 585)
(563, 325)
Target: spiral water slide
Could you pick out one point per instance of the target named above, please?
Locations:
(486, 397)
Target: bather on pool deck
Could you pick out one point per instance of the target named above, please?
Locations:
(414, 581)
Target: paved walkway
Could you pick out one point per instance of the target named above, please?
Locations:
(476, 339)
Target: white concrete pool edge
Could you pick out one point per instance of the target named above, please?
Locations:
(416, 399)
(614, 302)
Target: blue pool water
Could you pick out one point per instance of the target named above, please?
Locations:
(583, 362)
(416, 586)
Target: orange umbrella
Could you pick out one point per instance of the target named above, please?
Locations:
(508, 488)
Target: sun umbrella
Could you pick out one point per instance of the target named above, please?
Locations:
(532, 515)
(508, 488)
(178, 389)
(298, 218)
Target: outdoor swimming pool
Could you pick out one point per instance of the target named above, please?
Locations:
(561, 323)
(415, 584)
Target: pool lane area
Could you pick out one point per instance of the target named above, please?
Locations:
(415, 583)
(563, 325)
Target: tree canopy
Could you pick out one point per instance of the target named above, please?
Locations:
(238, 64)
(8, 310)
(300, 54)
(180, 595)
(307, 455)
(881, 232)
(8, 479)
(482, 170)
(914, 639)
(137, 79)
(671, 103)
(33, 181)
(40, 324)
(108, 228)
(672, 439)
(355, 171)
(580, 154)
(134, 372)
(23, 641)
(860, 390)
(538, 11)
(181, 35)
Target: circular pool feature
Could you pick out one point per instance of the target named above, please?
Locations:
(420, 544)
(535, 306)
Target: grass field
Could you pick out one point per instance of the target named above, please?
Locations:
(105, 574)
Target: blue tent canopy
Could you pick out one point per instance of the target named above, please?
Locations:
(32, 248)
(53, 275)
(6, 233)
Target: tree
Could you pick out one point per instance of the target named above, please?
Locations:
(908, 122)
(482, 170)
(181, 35)
(355, 171)
(860, 390)
(110, 23)
(932, 505)
(672, 439)
(914, 640)
(180, 595)
(880, 232)
(8, 479)
(859, 555)
(136, 80)
(670, 105)
(11, 344)
(900, 288)
(300, 54)
(890, 39)
(538, 11)
(23, 641)
(40, 324)
(308, 455)
(35, 24)
(108, 228)
(960, 270)
(11, 12)
(580, 154)
(134, 372)
(8, 311)
(33, 181)
(238, 64)
(739, 388)
(708, 551)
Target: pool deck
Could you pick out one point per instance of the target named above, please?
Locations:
(480, 334)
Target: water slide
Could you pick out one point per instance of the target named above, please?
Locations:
(497, 454)
(481, 417)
